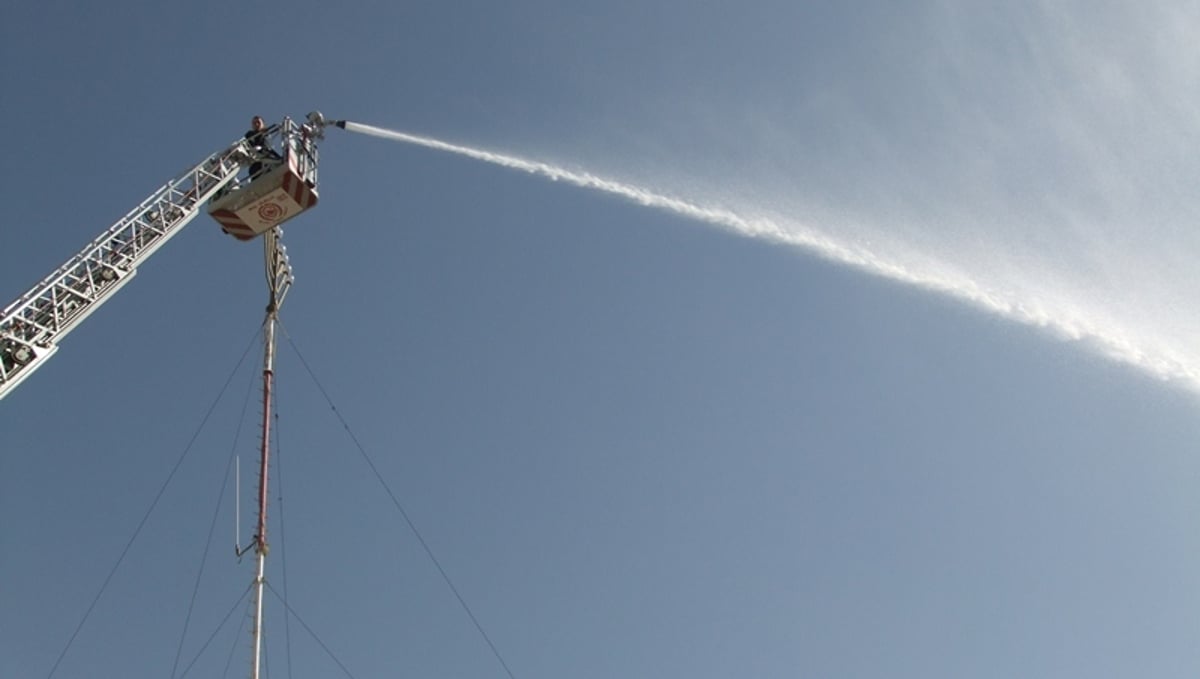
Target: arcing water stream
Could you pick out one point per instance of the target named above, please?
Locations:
(1111, 338)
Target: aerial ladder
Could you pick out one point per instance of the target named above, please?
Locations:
(281, 184)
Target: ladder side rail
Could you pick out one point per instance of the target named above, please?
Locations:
(203, 173)
(32, 325)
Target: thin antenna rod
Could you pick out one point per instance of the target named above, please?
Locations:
(237, 505)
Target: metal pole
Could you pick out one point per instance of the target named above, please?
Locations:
(260, 537)
(279, 279)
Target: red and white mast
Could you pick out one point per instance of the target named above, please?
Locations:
(279, 281)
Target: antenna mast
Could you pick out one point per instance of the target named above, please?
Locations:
(279, 281)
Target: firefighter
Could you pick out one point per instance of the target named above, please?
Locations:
(259, 144)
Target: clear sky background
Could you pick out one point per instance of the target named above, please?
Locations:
(639, 445)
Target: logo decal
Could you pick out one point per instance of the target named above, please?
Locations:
(270, 212)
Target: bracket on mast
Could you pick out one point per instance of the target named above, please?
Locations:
(278, 268)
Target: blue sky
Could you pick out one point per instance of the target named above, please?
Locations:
(639, 444)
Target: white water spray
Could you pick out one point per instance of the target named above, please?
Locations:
(1160, 362)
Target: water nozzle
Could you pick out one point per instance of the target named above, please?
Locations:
(318, 120)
